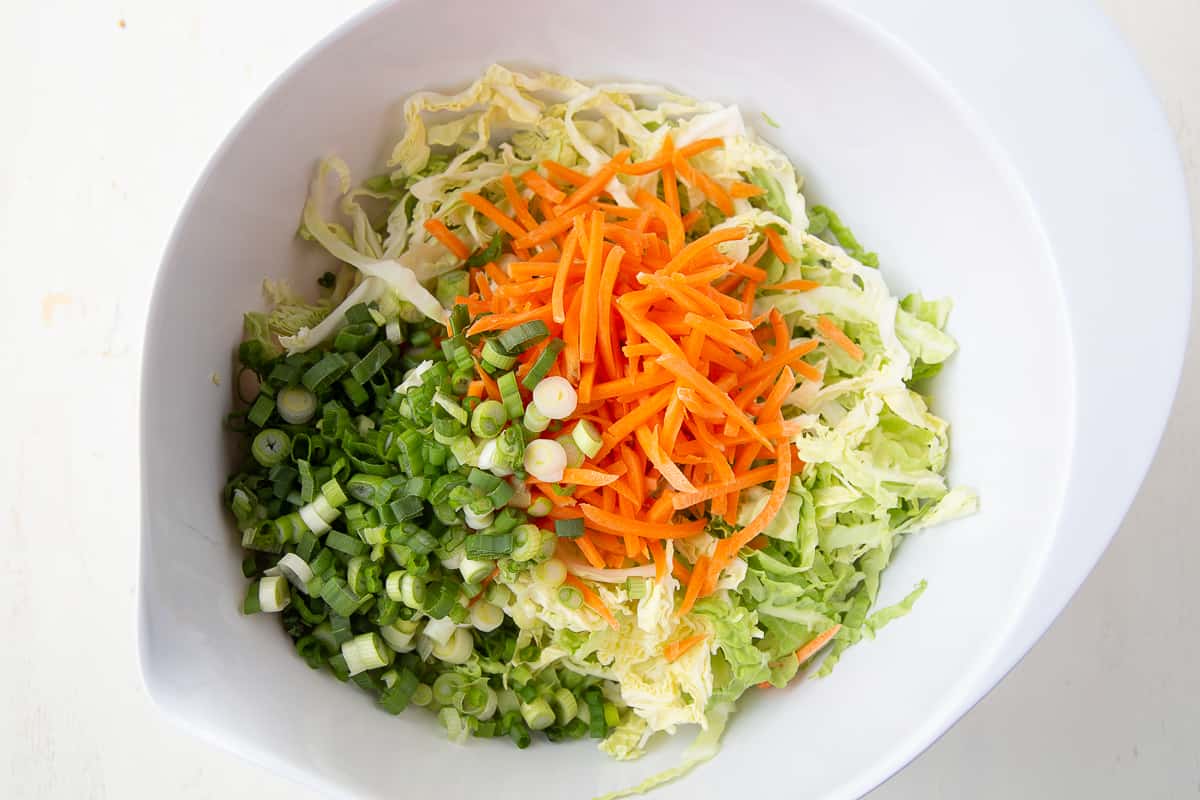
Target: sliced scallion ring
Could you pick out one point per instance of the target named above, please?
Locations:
(270, 447)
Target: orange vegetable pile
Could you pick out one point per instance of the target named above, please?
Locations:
(684, 382)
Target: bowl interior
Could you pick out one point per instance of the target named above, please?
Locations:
(878, 137)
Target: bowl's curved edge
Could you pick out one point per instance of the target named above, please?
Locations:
(1034, 621)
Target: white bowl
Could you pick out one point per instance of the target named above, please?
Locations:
(1056, 223)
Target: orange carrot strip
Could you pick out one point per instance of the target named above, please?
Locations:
(587, 379)
(816, 643)
(570, 336)
(783, 472)
(565, 174)
(693, 250)
(672, 422)
(793, 286)
(559, 312)
(635, 419)
(740, 189)
(667, 468)
(699, 574)
(691, 377)
(660, 559)
(589, 551)
(631, 385)
(542, 187)
(593, 600)
(708, 491)
(789, 358)
(475, 389)
(742, 344)
(588, 477)
(496, 322)
(591, 288)
(491, 389)
(525, 288)
(498, 276)
(673, 650)
(699, 146)
(777, 246)
(833, 333)
(547, 230)
(749, 271)
(485, 207)
(670, 189)
(618, 525)
(455, 245)
(481, 283)
(691, 218)
(769, 411)
(565, 512)
(608, 279)
(519, 207)
(669, 218)
(643, 167)
(595, 184)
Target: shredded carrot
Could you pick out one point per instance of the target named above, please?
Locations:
(588, 548)
(564, 174)
(740, 189)
(699, 575)
(816, 643)
(675, 649)
(615, 524)
(593, 600)
(455, 245)
(793, 286)
(777, 246)
(833, 333)
(485, 207)
(663, 347)
(542, 187)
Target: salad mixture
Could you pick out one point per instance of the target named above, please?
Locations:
(595, 426)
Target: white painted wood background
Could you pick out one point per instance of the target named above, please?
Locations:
(110, 110)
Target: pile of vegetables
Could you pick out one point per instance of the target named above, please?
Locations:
(595, 427)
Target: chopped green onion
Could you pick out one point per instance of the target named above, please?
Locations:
(486, 616)
(537, 714)
(345, 544)
(545, 460)
(422, 695)
(521, 337)
(355, 337)
(569, 528)
(597, 727)
(570, 597)
(369, 488)
(250, 604)
(636, 587)
(493, 355)
(399, 635)
(296, 404)
(565, 705)
(540, 507)
(457, 649)
(412, 591)
(542, 365)
(535, 420)
(396, 697)
(270, 447)
(452, 721)
(407, 507)
(331, 490)
(488, 418)
(587, 437)
(553, 572)
(510, 395)
(477, 521)
(527, 542)
(575, 457)
(450, 407)
(320, 376)
(366, 651)
(487, 545)
(340, 597)
(555, 397)
(261, 410)
(296, 570)
(498, 594)
(475, 570)
(273, 594)
(484, 481)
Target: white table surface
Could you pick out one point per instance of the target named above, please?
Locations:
(110, 111)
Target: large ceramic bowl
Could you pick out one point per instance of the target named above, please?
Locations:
(1035, 184)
